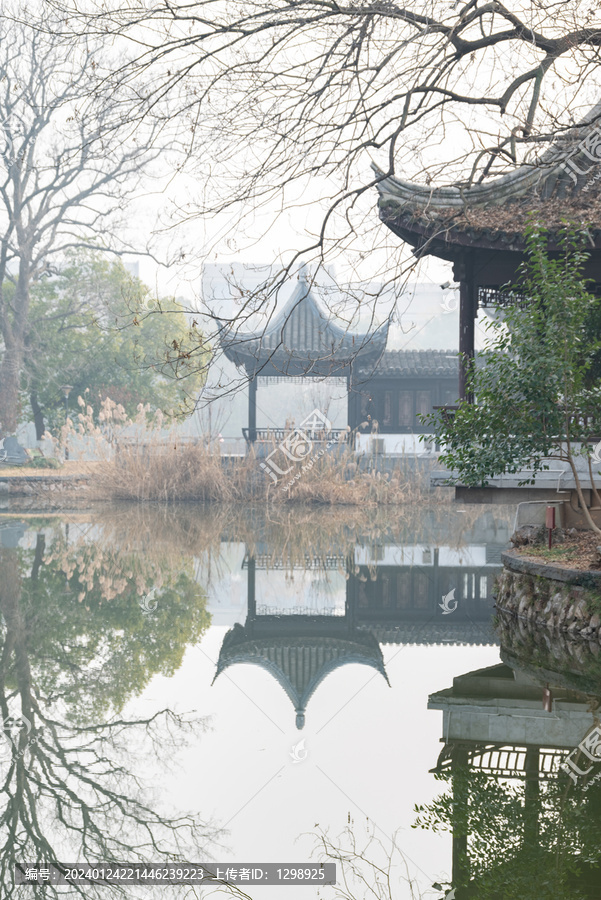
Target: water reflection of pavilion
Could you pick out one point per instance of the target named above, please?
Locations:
(495, 720)
(394, 598)
(299, 651)
(508, 723)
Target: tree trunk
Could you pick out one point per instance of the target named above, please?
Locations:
(10, 370)
(38, 416)
(586, 513)
(593, 488)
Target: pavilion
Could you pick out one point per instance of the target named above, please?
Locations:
(300, 342)
(480, 227)
(387, 389)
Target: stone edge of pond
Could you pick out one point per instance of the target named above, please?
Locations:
(552, 596)
(515, 561)
(25, 485)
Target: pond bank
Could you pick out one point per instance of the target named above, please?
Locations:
(559, 598)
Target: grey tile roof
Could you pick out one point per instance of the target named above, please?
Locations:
(560, 183)
(302, 340)
(415, 364)
(299, 662)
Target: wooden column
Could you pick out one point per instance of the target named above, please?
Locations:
(532, 798)
(463, 272)
(351, 405)
(436, 576)
(252, 409)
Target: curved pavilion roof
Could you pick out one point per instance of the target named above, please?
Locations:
(561, 183)
(299, 663)
(300, 340)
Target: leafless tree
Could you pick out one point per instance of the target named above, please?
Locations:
(283, 104)
(68, 162)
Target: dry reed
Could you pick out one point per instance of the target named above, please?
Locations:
(140, 459)
(181, 472)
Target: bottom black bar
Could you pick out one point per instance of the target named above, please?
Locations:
(175, 873)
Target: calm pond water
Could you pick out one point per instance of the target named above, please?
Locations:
(289, 687)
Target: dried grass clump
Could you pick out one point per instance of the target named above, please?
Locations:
(176, 472)
(143, 459)
(170, 473)
(338, 479)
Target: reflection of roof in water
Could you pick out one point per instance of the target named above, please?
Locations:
(447, 631)
(499, 707)
(299, 663)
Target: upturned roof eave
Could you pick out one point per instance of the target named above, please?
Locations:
(251, 353)
(242, 653)
(432, 219)
(514, 185)
(439, 236)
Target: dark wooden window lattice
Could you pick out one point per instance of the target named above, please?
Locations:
(494, 297)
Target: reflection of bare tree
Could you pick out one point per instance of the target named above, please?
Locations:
(67, 788)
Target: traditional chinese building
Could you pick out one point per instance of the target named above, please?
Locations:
(387, 389)
(403, 385)
(480, 228)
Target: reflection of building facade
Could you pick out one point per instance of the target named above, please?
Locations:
(396, 591)
(306, 628)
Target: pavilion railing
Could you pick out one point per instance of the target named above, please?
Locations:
(504, 759)
(494, 297)
(448, 412)
(276, 435)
